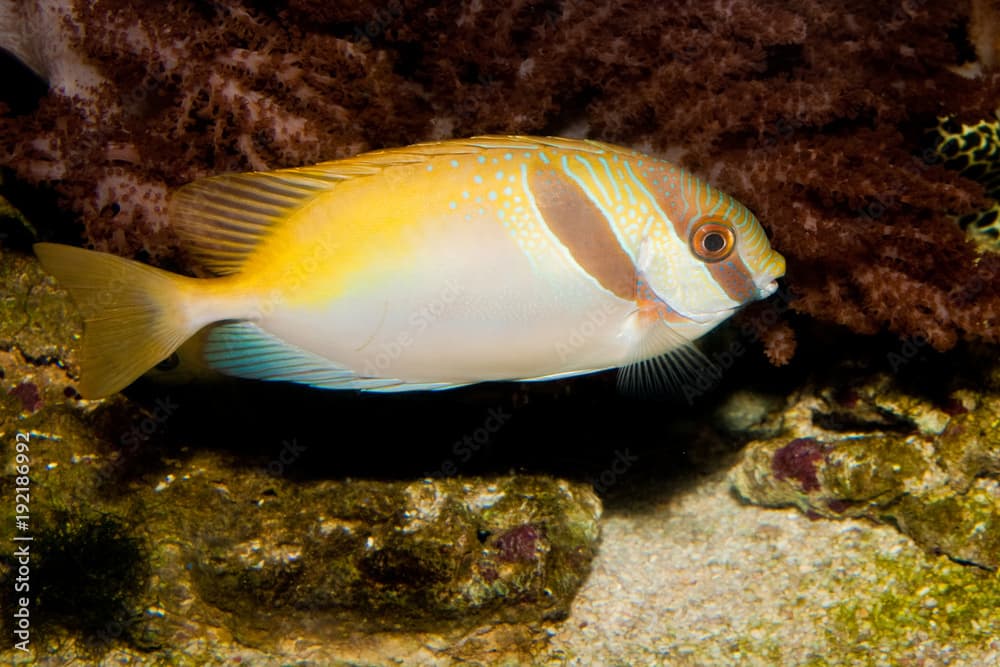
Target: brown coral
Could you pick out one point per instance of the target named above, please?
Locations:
(810, 112)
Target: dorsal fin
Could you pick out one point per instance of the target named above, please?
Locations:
(223, 218)
(516, 142)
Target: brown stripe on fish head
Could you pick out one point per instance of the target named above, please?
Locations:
(733, 276)
(584, 230)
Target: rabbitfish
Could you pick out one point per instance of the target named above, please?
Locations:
(429, 267)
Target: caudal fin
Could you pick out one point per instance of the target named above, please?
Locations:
(133, 314)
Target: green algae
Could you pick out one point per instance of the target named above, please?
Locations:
(36, 317)
(868, 470)
(966, 527)
(92, 572)
(913, 600)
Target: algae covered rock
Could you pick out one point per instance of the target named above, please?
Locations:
(280, 564)
(39, 327)
(288, 568)
(365, 555)
(931, 470)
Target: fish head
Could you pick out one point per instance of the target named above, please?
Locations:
(709, 257)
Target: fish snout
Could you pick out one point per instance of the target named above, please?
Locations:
(767, 280)
(764, 291)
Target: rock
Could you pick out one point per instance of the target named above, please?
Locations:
(427, 555)
(931, 470)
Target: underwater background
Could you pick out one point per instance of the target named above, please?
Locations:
(831, 496)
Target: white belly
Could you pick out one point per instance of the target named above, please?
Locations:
(468, 310)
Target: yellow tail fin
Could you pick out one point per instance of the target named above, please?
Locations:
(133, 314)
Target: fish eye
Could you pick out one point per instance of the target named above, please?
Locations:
(712, 241)
(170, 363)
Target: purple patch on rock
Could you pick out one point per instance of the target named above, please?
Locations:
(519, 544)
(28, 394)
(839, 506)
(797, 460)
(488, 573)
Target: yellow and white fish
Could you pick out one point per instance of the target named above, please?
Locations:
(429, 267)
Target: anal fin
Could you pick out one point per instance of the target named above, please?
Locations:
(242, 349)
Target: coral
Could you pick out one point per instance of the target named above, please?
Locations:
(182, 92)
(812, 113)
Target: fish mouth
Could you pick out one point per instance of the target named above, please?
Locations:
(764, 291)
(774, 268)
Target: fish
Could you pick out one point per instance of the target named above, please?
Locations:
(429, 267)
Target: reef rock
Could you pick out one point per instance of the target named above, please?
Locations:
(931, 469)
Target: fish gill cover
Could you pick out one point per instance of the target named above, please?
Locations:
(815, 114)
